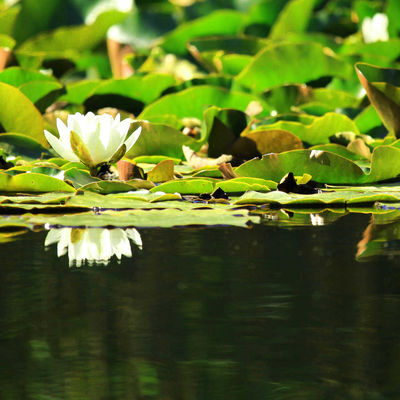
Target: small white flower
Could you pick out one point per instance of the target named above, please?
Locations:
(96, 245)
(375, 29)
(93, 139)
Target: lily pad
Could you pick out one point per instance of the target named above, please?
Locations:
(256, 143)
(106, 187)
(32, 183)
(142, 88)
(383, 88)
(294, 17)
(192, 102)
(24, 146)
(68, 41)
(273, 66)
(162, 172)
(324, 167)
(319, 130)
(186, 186)
(158, 139)
(238, 185)
(222, 22)
(18, 114)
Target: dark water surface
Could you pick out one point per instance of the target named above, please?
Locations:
(213, 313)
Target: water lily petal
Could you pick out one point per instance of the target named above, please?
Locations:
(134, 235)
(64, 151)
(53, 236)
(132, 139)
(63, 131)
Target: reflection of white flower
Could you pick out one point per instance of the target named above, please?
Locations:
(317, 220)
(96, 245)
(375, 29)
(93, 139)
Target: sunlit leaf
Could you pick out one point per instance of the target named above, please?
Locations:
(32, 183)
(383, 88)
(222, 22)
(293, 18)
(157, 139)
(273, 66)
(186, 186)
(18, 114)
(192, 102)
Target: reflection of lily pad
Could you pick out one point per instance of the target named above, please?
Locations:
(150, 218)
(380, 238)
(320, 199)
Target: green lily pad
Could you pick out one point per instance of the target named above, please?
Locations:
(294, 17)
(186, 186)
(79, 177)
(319, 130)
(157, 139)
(233, 64)
(32, 183)
(273, 66)
(17, 76)
(213, 52)
(222, 22)
(192, 102)
(106, 187)
(18, 114)
(23, 146)
(31, 201)
(367, 119)
(42, 93)
(383, 88)
(155, 159)
(381, 52)
(162, 172)
(324, 167)
(133, 200)
(8, 17)
(68, 41)
(256, 143)
(337, 149)
(142, 88)
(238, 185)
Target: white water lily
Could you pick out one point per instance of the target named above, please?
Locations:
(375, 29)
(94, 245)
(93, 139)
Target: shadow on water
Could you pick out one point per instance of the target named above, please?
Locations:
(212, 313)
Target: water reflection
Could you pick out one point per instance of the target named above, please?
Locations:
(211, 313)
(381, 237)
(294, 217)
(94, 246)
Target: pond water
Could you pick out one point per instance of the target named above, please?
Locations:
(269, 312)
